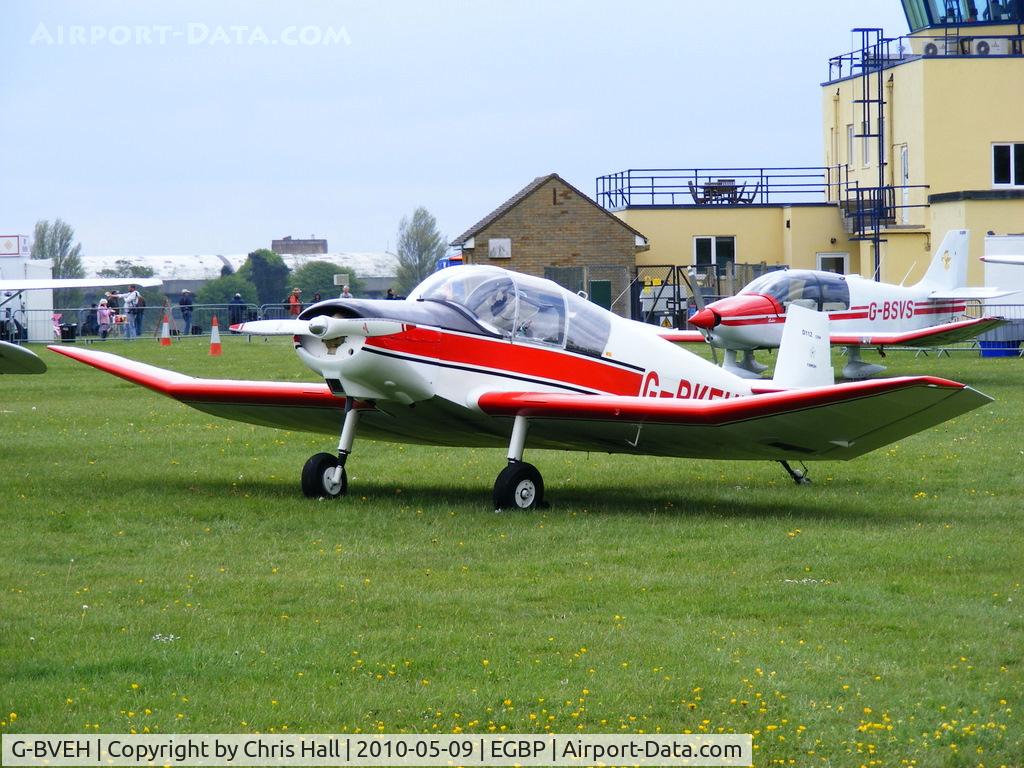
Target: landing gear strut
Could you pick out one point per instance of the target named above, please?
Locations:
(324, 475)
(800, 476)
(519, 485)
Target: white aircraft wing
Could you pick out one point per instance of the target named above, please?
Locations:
(15, 359)
(835, 422)
(1004, 259)
(75, 282)
(932, 336)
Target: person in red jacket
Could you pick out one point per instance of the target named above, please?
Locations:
(295, 302)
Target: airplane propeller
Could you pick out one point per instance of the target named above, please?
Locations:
(690, 277)
(322, 327)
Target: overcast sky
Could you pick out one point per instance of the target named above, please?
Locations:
(214, 127)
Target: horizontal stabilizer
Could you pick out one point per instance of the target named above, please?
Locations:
(970, 293)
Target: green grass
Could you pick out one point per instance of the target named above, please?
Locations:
(872, 616)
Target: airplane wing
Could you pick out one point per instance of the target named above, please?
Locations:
(834, 422)
(15, 359)
(287, 405)
(935, 335)
(841, 421)
(682, 337)
(75, 282)
(1003, 259)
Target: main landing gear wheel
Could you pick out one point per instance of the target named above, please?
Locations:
(519, 486)
(318, 477)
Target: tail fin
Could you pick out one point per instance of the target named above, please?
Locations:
(948, 269)
(805, 354)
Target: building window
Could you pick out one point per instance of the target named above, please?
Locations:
(849, 143)
(834, 262)
(714, 251)
(1008, 165)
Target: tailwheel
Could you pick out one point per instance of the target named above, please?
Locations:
(519, 486)
(323, 476)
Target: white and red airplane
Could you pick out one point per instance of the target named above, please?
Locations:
(480, 356)
(18, 359)
(862, 312)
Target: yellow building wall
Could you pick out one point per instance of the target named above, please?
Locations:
(813, 230)
(948, 111)
(761, 233)
(969, 103)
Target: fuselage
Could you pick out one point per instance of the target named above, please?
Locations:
(470, 330)
(754, 318)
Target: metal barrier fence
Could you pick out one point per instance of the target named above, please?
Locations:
(82, 323)
(659, 296)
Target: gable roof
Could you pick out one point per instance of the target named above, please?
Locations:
(524, 193)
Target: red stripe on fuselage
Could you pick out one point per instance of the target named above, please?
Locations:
(555, 364)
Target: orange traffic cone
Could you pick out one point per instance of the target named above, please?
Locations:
(165, 332)
(214, 337)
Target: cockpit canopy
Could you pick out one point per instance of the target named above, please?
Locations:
(823, 291)
(520, 307)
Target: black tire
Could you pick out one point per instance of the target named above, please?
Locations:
(315, 482)
(519, 486)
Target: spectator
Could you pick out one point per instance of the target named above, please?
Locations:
(317, 298)
(185, 303)
(140, 310)
(391, 294)
(89, 326)
(295, 302)
(103, 317)
(345, 292)
(131, 303)
(236, 310)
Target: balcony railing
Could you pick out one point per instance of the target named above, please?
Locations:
(888, 52)
(719, 186)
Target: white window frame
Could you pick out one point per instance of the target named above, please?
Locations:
(714, 248)
(1011, 145)
(850, 151)
(833, 255)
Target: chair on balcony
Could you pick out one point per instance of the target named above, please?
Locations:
(751, 196)
(697, 193)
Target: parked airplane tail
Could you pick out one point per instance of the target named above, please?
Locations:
(948, 269)
(805, 354)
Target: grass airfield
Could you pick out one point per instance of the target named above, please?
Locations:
(162, 573)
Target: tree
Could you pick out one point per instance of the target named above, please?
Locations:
(124, 268)
(223, 289)
(316, 276)
(54, 242)
(420, 245)
(268, 272)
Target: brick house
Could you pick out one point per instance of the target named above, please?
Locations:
(551, 229)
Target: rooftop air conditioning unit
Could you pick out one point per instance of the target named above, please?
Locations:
(989, 46)
(941, 47)
(983, 46)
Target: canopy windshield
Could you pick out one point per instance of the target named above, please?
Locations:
(823, 291)
(521, 307)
